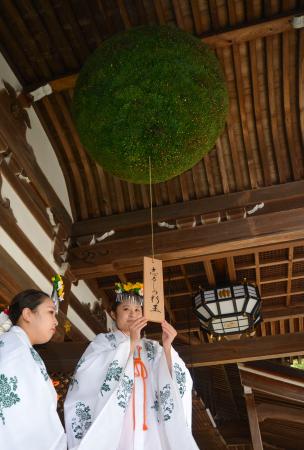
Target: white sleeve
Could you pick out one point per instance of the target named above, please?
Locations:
(99, 373)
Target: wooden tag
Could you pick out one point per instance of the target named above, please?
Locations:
(154, 302)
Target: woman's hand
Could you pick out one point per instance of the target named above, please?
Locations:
(135, 330)
(169, 334)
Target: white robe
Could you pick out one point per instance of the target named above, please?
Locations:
(101, 397)
(28, 400)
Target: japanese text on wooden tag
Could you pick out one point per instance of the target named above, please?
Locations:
(154, 302)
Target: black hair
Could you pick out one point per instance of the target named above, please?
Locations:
(31, 298)
(114, 304)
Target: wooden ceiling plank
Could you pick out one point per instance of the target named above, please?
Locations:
(174, 190)
(157, 194)
(184, 186)
(132, 198)
(160, 11)
(238, 61)
(255, 54)
(72, 30)
(38, 29)
(289, 276)
(267, 411)
(124, 14)
(105, 192)
(199, 183)
(288, 78)
(178, 15)
(30, 46)
(249, 32)
(13, 47)
(227, 63)
(119, 195)
(222, 167)
(263, 329)
(209, 173)
(257, 270)
(56, 33)
(301, 82)
(271, 53)
(197, 16)
(183, 269)
(84, 162)
(67, 148)
(210, 273)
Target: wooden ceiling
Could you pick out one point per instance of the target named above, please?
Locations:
(262, 143)
(258, 158)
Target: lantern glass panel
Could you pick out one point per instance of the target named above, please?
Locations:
(213, 308)
(240, 302)
(250, 305)
(226, 307)
(239, 291)
(252, 291)
(217, 327)
(198, 300)
(243, 321)
(209, 296)
(203, 312)
(231, 326)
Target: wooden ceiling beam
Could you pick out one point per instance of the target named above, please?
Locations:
(112, 256)
(268, 411)
(280, 193)
(275, 382)
(253, 420)
(249, 32)
(64, 356)
(221, 38)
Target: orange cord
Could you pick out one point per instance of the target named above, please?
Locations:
(140, 371)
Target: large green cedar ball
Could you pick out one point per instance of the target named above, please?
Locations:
(150, 91)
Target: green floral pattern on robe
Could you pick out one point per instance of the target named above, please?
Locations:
(40, 363)
(74, 379)
(8, 396)
(124, 391)
(180, 379)
(166, 402)
(114, 372)
(112, 339)
(150, 349)
(83, 420)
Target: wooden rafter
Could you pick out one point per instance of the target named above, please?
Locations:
(222, 38)
(278, 196)
(91, 261)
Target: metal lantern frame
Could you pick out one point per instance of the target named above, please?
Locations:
(228, 309)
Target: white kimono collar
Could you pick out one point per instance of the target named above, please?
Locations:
(21, 334)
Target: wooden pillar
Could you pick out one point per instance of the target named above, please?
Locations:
(253, 419)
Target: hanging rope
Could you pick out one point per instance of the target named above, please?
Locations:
(151, 207)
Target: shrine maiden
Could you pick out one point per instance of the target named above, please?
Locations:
(129, 393)
(28, 400)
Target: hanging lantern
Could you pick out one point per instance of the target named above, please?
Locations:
(228, 310)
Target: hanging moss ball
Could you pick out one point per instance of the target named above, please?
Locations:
(150, 91)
